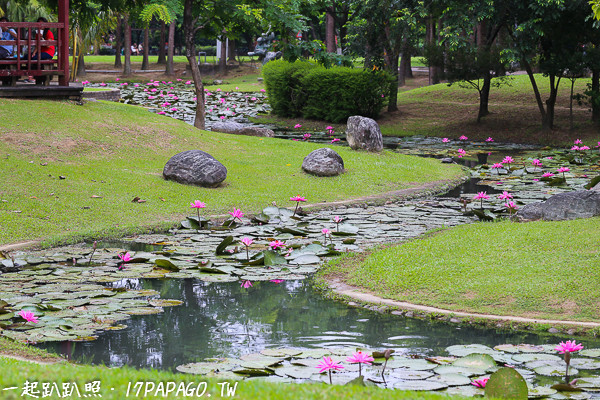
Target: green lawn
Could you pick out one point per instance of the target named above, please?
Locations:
(451, 111)
(152, 59)
(117, 152)
(536, 269)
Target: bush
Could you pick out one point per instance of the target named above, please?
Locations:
(209, 50)
(331, 94)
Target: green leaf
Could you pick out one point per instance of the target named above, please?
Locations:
(506, 383)
(166, 264)
(272, 258)
(223, 245)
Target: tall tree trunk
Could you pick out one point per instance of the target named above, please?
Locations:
(145, 61)
(431, 41)
(571, 125)
(330, 30)
(484, 97)
(127, 67)
(231, 51)
(548, 122)
(408, 71)
(190, 48)
(596, 90)
(403, 62)
(223, 56)
(80, 65)
(393, 69)
(161, 45)
(536, 91)
(170, 70)
(118, 43)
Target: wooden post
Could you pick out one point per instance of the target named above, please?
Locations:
(63, 40)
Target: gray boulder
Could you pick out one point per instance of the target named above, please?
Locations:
(563, 206)
(195, 167)
(241, 129)
(323, 162)
(364, 133)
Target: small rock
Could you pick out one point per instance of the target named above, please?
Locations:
(323, 162)
(447, 160)
(364, 133)
(352, 304)
(397, 313)
(382, 309)
(259, 79)
(571, 332)
(195, 167)
(409, 314)
(217, 82)
(455, 320)
(553, 330)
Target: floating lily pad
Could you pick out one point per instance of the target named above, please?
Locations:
(295, 372)
(506, 383)
(407, 374)
(452, 379)
(555, 370)
(452, 369)
(590, 353)
(476, 361)
(540, 391)
(523, 358)
(410, 363)
(281, 352)
(419, 385)
(165, 303)
(203, 368)
(465, 350)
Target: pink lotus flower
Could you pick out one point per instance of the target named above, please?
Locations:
(161, 113)
(583, 148)
(103, 84)
(297, 126)
(246, 284)
(577, 141)
(334, 140)
(173, 109)
(497, 166)
(297, 199)
(461, 153)
(325, 231)
(237, 88)
(198, 204)
(507, 160)
(253, 98)
(575, 148)
(563, 170)
(569, 346)
(480, 383)
(125, 257)
(489, 140)
(512, 207)
(549, 158)
(262, 90)
(536, 163)
(247, 241)
(548, 175)
(306, 136)
(327, 364)
(505, 196)
(481, 196)
(277, 280)
(277, 244)
(445, 140)
(360, 358)
(118, 79)
(218, 89)
(28, 316)
(222, 117)
(337, 219)
(463, 137)
(237, 213)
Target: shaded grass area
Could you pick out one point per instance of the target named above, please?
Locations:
(15, 373)
(451, 111)
(117, 152)
(536, 269)
(8, 346)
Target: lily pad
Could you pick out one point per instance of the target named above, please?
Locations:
(540, 391)
(419, 385)
(464, 350)
(407, 374)
(555, 370)
(295, 372)
(476, 361)
(452, 379)
(506, 383)
(590, 353)
(164, 302)
(203, 368)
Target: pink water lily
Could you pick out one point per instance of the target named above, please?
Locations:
(480, 383)
(262, 90)
(327, 364)
(569, 346)
(489, 140)
(276, 244)
(577, 141)
(461, 153)
(125, 257)
(497, 166)
(246, 284)
(326, 232)
(575, 148)
(505, 196)
(511, 206)
(297, 199)
(298, 126)
(548, 175)
(563, 170)
(583, 148)
(360, 358)
(334, 140)
(536, 163)
(463, 137)
(278, 281)
(329, 129)
(481, 196)
(247, 242)
(445, 140)
(306, 136)
(507, 160)
(28, 316)
(237, 213)
(337, 219)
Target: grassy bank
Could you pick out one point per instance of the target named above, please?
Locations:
(536, 270)
(16, 373)
(451, 111)
(109, 154)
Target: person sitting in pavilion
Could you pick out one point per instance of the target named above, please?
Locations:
(45, 52)
(6, 33)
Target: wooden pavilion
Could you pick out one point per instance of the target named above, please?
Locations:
(22, 66)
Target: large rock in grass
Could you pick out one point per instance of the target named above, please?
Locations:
(563, 206)
(195, 167)
(364, 133)
(323, 162)
(241, 129)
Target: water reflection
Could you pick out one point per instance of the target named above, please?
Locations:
(225, 320)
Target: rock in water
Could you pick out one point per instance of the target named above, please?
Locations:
(323, 162)
(195, 167)
(240, 129)
(364, 133)
(563, 206)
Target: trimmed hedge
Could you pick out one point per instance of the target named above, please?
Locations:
(332, 94)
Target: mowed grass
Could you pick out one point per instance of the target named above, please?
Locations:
(450, 111)
(16, 373)
(117, 152)
(535, 269)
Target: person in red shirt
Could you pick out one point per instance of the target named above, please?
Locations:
(45, 52)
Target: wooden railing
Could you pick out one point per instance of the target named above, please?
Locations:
(21, 64)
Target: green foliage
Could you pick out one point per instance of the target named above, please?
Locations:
(506, 383)
(160, 11)
(330, 94)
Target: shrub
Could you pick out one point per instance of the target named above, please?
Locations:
(331, 94)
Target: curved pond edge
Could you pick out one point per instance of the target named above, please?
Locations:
(333, 287)
(413, 192)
